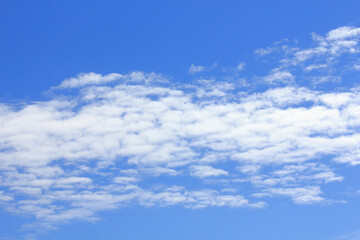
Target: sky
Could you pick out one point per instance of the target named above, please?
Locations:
(180, 120)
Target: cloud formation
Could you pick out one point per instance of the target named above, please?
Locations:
(119, 139)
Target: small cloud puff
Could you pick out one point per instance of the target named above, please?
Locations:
(196, 69)
(278, 76)
(206, 171)
(240, 66)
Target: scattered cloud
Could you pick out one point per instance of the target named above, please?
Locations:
(356, 67)
(101, 149)
(265, 51)
(4, 197)
(302, 195)
(314, 66)
(240, 66)
(337, 42)
(141, 139)
(196, 69)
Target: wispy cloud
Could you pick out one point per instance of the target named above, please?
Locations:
(279, 76)
(356, 67)
(194, 69)
(336, 42)
(265, 51)
(240, 66)
(89, 78)
(314, 66)
(348, 236)
(206, 171)
(303, 195)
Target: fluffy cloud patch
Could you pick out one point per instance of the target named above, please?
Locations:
(103, 148)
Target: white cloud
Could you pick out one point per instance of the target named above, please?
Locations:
(112, 145)
(196, 199)
(278, 76)
(343, 33)
(302, 195)
(303, 55)
(240, 66)
(89, 78)
(4, 197)
(324, 79)
(277, 46)
(337, 42)
(249, 169)
(338, 47)
(265, 51)
(314, 66)
(206, 171)
(125, 180)
(70, 158)
(196, 69)
(356, 67)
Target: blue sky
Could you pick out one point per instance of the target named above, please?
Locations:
(179, 120)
